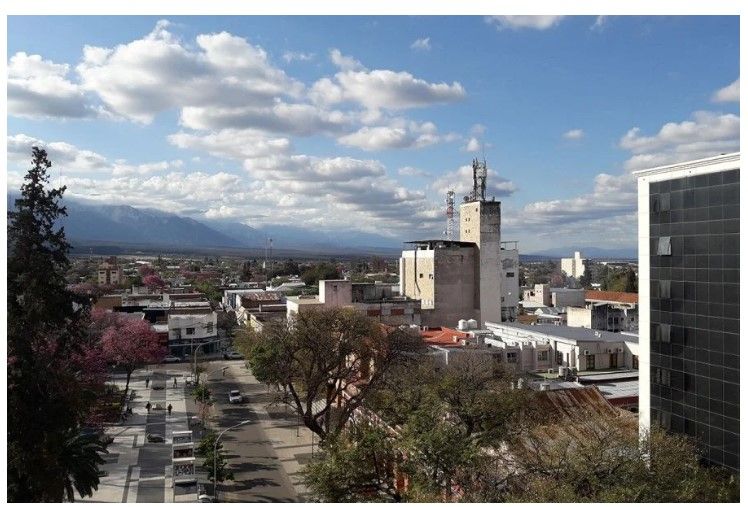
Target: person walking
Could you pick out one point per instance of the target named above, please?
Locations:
(147, 380)
(148, 407)
(175, 381)
(168, 409)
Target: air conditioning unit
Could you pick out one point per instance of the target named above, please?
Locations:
(587, 353)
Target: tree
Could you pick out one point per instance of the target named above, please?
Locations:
(209, 290)
(321, 271)
(585, 281)
(131, 344)
(606, 460)
(81, 458)
(46, 329)
(357, 466)
(153, 282)
(206, 449)
(327, 360)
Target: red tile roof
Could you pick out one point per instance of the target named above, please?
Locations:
(617, 297)
(443, 336)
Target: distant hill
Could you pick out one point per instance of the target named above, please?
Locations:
(91, 224)
(589, 252)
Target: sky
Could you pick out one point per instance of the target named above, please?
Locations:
(365, 122)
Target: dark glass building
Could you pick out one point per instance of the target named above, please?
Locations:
(689, 284)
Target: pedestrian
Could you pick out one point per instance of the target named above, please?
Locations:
(175, 381)
(147, 380)
(169, 408)
(148, 407)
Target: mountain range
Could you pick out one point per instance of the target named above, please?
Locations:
(94, 224)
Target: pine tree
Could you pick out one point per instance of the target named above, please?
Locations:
(46, 328)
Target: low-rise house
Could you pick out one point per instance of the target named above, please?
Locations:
(258, 302)
(546, 347)
(607, 311)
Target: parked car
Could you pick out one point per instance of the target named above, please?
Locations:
(155, 438)
(172, 359)
(97, 433)
(235, 396)
(232, 354)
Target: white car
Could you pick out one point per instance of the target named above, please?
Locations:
(232, 354)
(235, 396)
(172, 359)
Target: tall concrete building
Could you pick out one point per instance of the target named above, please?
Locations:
(480, 224)
(689, 302)
(459, 279)
(509, 280)
(573, 266)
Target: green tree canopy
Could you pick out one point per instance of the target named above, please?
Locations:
(47, 327)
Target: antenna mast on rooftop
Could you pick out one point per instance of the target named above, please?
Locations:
(450, 200)
(480, 172)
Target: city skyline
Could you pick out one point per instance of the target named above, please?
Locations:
(365, 122)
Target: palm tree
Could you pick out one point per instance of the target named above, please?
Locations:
(79, 461)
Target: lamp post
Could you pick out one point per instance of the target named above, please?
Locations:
(215, 452)
(194, 356)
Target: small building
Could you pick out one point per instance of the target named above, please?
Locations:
(548, 347)
(376, 300)
(540, 294)
(607, 311)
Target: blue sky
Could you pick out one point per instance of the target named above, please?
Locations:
(364, 122)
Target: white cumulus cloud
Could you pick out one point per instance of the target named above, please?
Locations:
(521, 22)
(574, 134)
(730, 93)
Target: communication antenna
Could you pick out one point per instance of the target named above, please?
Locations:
(480, 172)
(450, 200)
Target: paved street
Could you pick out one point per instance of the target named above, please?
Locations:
(258, 473)
(265, 455)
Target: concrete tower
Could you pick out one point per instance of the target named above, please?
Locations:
(480, 223)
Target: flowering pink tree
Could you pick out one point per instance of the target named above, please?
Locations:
(146, 270)
(131, 344)
(153, 281)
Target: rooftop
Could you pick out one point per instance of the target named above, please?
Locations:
(442, 242)
(443, 336)
(262, 296)
(304, 300)
(725, 158)
(576, 334)
(611, 296)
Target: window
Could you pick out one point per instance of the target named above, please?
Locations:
(634, 362)
(662, 333)
(510, 275)
(664, 289)
(190, 330)
(663, 246)
(543, 355)
(559, 358)
(511, 357)
(431, 276)
(209, 328)
(660, 202)
(420, 275)
(662, 376)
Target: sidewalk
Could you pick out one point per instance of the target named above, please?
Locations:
(135, 470)
(293, 442)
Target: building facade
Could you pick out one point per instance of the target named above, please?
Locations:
(509, 280)
(689, 288)
(573, 266)
(110, 272)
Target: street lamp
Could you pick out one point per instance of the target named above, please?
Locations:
(215, 452)
(194, 354)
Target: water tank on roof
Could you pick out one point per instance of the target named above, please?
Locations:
(472, 324)
(462, 324)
